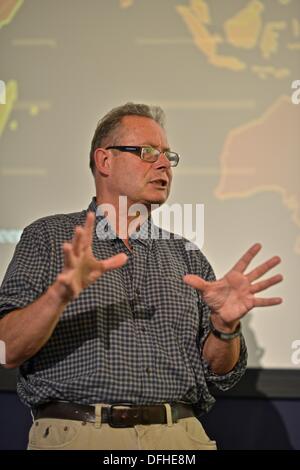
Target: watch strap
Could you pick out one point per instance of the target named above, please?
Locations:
(223, 335)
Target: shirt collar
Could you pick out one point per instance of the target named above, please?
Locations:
(147, 233)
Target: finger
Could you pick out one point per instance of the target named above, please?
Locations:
(246, 259)
(69, 258)
(259, 302)
(89, 228)
(65, 280)
(114, 262)
(262, 285)
(195, 281)
(77, 240)
(263, 268)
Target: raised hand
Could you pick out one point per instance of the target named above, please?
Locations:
(234, 295)
(81, 268)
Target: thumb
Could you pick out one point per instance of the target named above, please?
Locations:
(113, 262)
(195, 281)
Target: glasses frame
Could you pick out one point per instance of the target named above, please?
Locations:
(140, 150)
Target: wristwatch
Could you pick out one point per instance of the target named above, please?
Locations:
(222, 335)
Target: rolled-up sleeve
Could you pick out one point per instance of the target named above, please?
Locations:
(225, 381)
(26, 276)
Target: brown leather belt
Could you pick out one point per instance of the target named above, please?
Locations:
(118, 415)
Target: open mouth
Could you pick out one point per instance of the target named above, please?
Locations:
(160, 182)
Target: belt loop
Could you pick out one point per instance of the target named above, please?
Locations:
(169, 414)
(98, 409)
(32, 415)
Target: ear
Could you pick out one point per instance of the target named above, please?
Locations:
(102, 161)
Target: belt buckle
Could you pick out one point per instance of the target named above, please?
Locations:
(110, 416)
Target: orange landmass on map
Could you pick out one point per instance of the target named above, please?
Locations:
(8, 9)
(264, 155)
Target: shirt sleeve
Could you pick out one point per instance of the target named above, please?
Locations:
(225, 381)
(27, 274)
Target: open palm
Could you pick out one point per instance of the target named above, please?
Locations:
(234, 295)
(81, 268)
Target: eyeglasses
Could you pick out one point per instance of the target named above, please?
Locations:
(149, 154)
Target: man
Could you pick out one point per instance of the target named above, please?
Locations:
(119, 338)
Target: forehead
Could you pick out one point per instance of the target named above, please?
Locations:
(143, 130)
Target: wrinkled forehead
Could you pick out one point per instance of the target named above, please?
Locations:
(139, 130)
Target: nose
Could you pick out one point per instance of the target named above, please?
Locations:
(162, 162)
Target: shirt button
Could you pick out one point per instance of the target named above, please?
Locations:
(137, 291)
(148, 370)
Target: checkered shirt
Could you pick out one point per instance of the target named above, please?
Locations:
(134, 336)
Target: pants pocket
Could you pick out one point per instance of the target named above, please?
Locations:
(195, 432)
(187, 434)
(48, 433)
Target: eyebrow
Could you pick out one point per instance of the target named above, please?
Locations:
(154, 146)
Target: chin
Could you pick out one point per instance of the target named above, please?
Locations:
(158, 202)
(153, 198)
(155, 201)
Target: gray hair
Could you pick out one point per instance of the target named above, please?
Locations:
(112, 121)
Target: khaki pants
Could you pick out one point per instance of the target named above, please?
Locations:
(62, 434)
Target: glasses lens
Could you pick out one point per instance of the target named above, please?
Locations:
(150, 154)
(173, 158)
